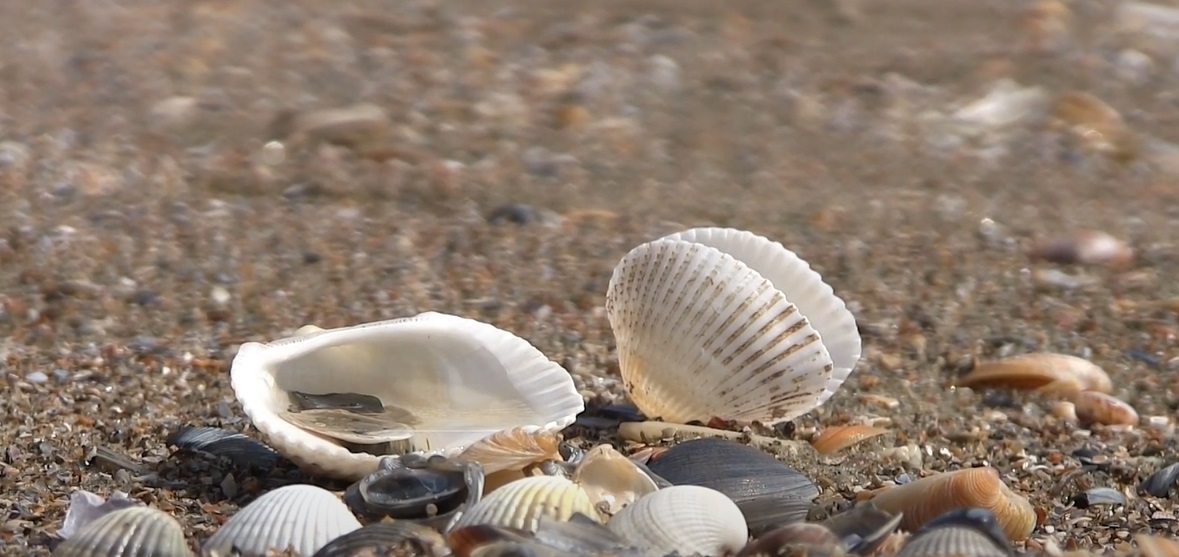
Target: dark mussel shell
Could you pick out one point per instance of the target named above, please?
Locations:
(769, 493)
(1159, 484)
(387, 538)
(863, 528)
(972, 532)
(415, 487)
(239, 449)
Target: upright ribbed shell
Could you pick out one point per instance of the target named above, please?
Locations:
(303, 517)
(687, 519)
(130, 532)
(952, 540)
(520, 504)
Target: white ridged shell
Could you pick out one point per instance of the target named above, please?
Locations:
(687, 519)
(520, 504)
(300, 516)
(514, 449)
(461, 379)
(130, 532)
(715, 322)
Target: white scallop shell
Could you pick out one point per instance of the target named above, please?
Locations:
(520, 504)
(803, 287)
(128, 532)
(301, 517)
(687, 519)
(452, 381)
(702, 334)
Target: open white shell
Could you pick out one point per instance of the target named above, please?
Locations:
(450, 381)
(723, 323)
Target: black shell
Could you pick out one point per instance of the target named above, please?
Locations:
(971, 532)
(412, 487)
(769, 493)
(1160, 483)
(387, 538)
(242, 451)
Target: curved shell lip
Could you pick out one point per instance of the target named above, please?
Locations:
(255, 386)
(803, 286)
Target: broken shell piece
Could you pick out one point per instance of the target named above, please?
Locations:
(1159, 484)
(800, 538)
(298, 517)
(242, 451)
(443, 382)
(837, 438)
(863, 528)
(514, 449)
(130, 532)
(687, 519)
(1100, 408)
(932, 496)
(1041, 371)
(520, 504)
(724, 323)
(973, 532)
(611, 480)
(768, 492)
(578, 536)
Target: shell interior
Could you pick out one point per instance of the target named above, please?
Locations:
(429, 383)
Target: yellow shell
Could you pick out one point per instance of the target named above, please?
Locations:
(520, 504)
(930, 497)
(1099, 408)
(1040, 371)
(835, 439)
(513, 449)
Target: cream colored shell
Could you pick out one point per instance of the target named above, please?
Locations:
(722, 323)
(301, 516)
(447, 381)
(687, 519)
(520, 504)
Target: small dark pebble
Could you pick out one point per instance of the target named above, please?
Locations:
(242, 451)
(1145, 357)
(514, 213)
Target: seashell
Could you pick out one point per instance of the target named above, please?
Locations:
(1040, 371)
(455, 382)
(1099, 496)
(800, 538)
(645, 432)
(580, 535)
(521, 503)
(724, 323)
(835, 439)
(688, 519)
(932, 496)
(1156, 546)
(1085, 247)
(300, 518)
(86, 507)
(416, 487)
(1099, 408)
(1159, 484)
(611, 480)
(514, 449)
(769, 493)
(863, 528)
(239, 449)
(387, 538)
(1097, 125)
(129, 532)
(968, 532)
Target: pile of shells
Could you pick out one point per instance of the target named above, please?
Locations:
(448, 430)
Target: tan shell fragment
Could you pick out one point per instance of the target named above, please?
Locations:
(1042, 371)
(1156, 546)
(834, 439)
(1099, 408)
(611, 480)
(930, 497)
(514, 449)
